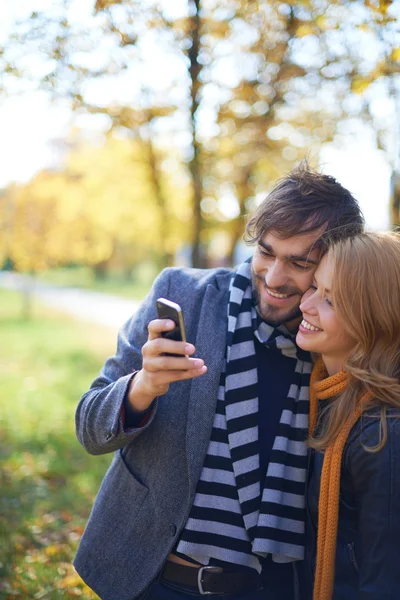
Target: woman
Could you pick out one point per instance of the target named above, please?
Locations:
(351, 318)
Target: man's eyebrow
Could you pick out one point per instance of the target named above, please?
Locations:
(292, 257)
(265, 246)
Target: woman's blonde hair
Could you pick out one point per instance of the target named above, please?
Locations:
(365, 292)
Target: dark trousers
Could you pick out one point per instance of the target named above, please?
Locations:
(280, 583)
(164, 590)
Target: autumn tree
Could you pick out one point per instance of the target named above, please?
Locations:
(99, 210)
(301, 70)
(238, 90)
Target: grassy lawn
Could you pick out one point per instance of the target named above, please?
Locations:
(47, 481)
(136, 286)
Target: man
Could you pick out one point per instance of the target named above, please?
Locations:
(205, 494)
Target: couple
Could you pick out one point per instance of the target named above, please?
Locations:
(234, 475)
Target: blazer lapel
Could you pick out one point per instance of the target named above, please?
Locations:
(210, 345)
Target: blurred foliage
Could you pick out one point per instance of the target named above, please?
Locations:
(99, 210)
(48, 482)
(395, 200)
(215, 99)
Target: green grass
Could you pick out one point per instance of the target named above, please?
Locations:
(47, 481)
(135, 286)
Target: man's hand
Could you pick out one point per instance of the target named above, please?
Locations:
(159, 370)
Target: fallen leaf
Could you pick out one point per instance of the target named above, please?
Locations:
(54, 549)
(70, 581)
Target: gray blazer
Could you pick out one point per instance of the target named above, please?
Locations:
(146, 496)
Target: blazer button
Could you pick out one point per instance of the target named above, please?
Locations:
(172, 529)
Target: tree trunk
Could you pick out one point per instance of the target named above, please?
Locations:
(198, 257)
(243, 191)
(394, 206)
(165, 259)
(236, 235)
(101, 270)
(27, 296)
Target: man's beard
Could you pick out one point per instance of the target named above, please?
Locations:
(269, 313)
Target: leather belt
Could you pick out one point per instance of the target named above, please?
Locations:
(212, 580)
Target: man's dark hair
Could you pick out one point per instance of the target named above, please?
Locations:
(304, 201)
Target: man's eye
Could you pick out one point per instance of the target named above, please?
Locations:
(264, 252)
(302, 267)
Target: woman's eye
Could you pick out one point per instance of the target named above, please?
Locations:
(329, 303)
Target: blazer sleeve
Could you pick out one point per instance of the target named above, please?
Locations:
(99, 423)
(376, 485)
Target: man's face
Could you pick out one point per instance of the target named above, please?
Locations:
(282, 271)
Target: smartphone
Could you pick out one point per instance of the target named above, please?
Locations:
(171, 310)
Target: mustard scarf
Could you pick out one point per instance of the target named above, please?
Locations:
(323, 387)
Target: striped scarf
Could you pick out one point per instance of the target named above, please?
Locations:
(240, 515)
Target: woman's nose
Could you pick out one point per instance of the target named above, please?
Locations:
(307, 303)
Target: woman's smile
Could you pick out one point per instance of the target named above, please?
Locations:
(306, 327)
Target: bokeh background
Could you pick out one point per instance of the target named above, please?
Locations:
(136, 135)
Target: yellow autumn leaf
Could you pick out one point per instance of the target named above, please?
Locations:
(289, 71)
(303, 30)
(384, 5)
(359, 85)
(53, 549)
(380, 69)
(322, 23)
(181, 24)
(70, 581)
(395, 55)
(220, 29)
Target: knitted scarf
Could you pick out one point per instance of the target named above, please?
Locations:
(239, 515)
(323, 388)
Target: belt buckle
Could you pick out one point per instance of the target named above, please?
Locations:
(202, 591)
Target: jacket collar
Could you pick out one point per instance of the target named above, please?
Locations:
(210, 345)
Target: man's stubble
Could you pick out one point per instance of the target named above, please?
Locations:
(270, 314)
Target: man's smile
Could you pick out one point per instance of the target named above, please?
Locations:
(278, 295)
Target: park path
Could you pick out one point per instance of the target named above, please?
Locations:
(95, 307)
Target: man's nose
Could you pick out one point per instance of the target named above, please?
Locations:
(276, 275)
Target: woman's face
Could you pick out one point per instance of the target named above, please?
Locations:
(321, 330)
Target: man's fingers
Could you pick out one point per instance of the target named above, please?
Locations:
(171, 363)
(158, 326)
(164, 378)
(194, 373)
(157, 345)
(160, 369)
(160, 346)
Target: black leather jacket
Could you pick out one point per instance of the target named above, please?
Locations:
(368, 542)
